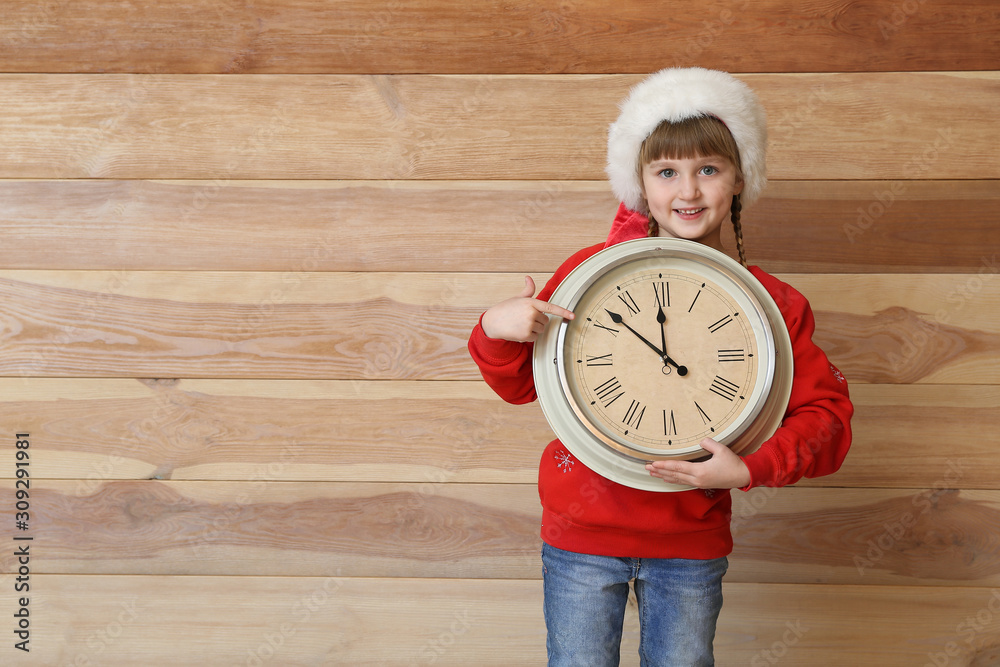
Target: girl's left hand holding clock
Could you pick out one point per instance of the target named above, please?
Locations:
(724, 470)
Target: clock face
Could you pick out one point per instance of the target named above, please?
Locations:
(672, 342)
(660, 357)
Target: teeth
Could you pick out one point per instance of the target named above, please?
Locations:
(689, 211)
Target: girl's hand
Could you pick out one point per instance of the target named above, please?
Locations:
(725, 470)
(521, 318)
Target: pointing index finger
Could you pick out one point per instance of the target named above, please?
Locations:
(552, 309)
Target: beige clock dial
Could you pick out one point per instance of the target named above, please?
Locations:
(672, 342)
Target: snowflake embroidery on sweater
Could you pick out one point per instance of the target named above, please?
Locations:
(837, 374)
(565, 460)
(709, 493)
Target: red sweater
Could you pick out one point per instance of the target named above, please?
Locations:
(585, 512)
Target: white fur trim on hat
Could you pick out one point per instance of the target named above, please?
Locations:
(674, 95)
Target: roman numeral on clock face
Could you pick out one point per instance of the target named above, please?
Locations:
(613, 332)
(732, 355)
(602, 360)
(669, 426)
(626, 298)
(695, 300)
(724, 388)
(609, 392)
(634, 414)
(705, 419)
(661, 290)
(715, 326)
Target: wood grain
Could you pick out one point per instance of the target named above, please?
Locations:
(93, 431)
(938, 536)
(878, 328)
(184, 324)
(936, 436)
(935, 125)
(310, 36)
(233, 316)
(138, 620)
(798, 226)
(941, 535)
(430, 432)
(264, 527)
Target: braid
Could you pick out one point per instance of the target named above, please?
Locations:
(738, 228)
(654, 227)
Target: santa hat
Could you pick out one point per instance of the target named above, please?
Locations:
(674, 95)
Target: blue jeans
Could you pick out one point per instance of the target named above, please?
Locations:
(679, 601)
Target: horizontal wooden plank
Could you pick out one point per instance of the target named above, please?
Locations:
(936, 436)
(264, 527)
(906, 329)
(187, 324)
(873, 226)
(99, 430)
(798, 226)
(95, 430)
(880, 328)
(941, 535)
(822, 126)
(144, 620)
(278, 36)
(934, 536)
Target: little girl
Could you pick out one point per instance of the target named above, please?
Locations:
(686, 154)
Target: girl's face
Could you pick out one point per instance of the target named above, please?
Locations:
(691, 197)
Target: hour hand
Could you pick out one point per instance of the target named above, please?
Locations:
(662, 319)
(681, 370)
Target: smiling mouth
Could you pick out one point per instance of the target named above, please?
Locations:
(689, 211)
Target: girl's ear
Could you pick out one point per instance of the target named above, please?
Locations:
(738, 188)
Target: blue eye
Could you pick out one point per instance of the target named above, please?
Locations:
(709, 170)
(667, 173)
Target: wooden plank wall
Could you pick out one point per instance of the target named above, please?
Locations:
(244, 244)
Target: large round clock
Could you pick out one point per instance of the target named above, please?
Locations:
(672, 342)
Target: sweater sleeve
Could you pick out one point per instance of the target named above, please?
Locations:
(506, 365)
(815, 433)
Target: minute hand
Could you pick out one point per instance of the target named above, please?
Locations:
(617, 319)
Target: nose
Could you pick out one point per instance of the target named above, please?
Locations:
(689, 186)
